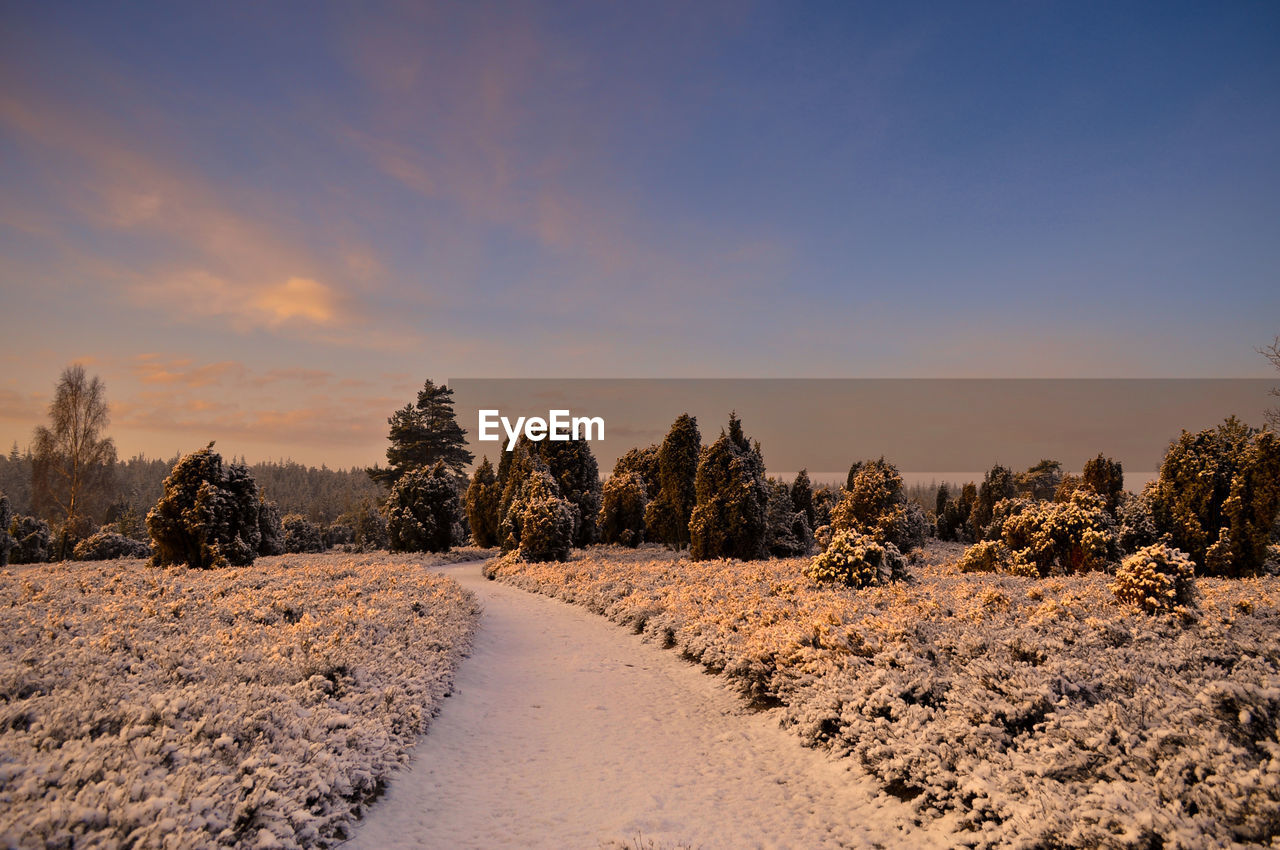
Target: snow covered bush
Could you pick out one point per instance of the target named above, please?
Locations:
(730, 517)
(1218, 495)
(107, 544)
(985, 556)
(368, 526)
(1074, 537)
(261, 706)
(546, 521)
(301, 535)
(208, 515)
(822, 537)
(622, 509)
(339, 535)
(857, 560)
(670, 507)
(1135, 524)
(573, 466)
(421, 511)
(1158, 579)
(875, 504)
(32, 540)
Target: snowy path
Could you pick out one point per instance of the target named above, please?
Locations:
(565, 731)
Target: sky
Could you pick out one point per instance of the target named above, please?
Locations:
(268, 223)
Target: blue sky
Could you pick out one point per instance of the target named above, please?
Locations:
(267, 223)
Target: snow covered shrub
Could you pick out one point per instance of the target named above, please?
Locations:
(1040, 482)
(6, 542)
(1135, 525)
(670, 508)
(208, 515)
(985, 556)
(32, 540)
(339, 534)
(953, 512)
(270, 529)
(546, 521)
(301, 535)
(107, 544)
(484, 495)
(874, 503)
(858, 560)
(622, 509)
(822, 537)
(1158, 579)
(1218, 494)
(730, 519)
(802, 497)
(1070, 538)
(421, 511)
(643, 462)
(787, 529)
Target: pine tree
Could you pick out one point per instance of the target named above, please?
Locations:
(668, 514)
(423, 434)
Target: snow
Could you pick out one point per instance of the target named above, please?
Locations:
(260, 706)
(566, 731)
(1017, 712)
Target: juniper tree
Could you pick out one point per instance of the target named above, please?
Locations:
(730, 517)
(6, 518)
(875, 504)
(998, 484)
(1041, 481)
(645, 463)
(424, 434)
(208, 515)
(1105, 477)
(421, 511)
(483, 499)
(573, 466)
(622, 507)
(802, 496)
(668, 514)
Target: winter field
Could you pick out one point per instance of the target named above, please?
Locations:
(1013, 712)
(262, 706)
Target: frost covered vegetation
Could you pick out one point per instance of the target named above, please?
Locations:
(1032, 712)
(260, 706)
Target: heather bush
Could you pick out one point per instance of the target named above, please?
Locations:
(875, 504)
(857, 560)
(985, 556)
(622, 509)
(1074, 537)
(421, 511)
(484, 496)
(301, 535)
(1217, 496)
(32, 540)
(670, 509)
(208, 515)
(730, 519)
(270, 530)
(1158, 579)
(107, 544)
(787, 529)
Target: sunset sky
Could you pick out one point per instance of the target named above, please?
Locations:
(267, 223)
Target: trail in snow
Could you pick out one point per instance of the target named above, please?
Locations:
(566, 731)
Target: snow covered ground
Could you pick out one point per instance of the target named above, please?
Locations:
(1017, 712)
(566, 731)
(258, 707)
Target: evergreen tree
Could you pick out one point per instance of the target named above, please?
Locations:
(802, 496)
(998, 484)
(644, 462)
(6, 518)
(729, 519)
(573, 466)
(622, 509)
(875, 504)
(208, 515)
(484, 497)
(1041, 481)
(667, 516)
(424, 434)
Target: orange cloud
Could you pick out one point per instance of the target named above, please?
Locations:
(299, 298)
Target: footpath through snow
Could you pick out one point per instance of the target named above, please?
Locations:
(564, 731)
